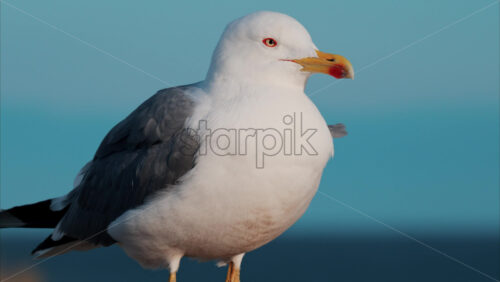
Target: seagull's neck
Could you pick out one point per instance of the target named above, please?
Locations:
(231, 87)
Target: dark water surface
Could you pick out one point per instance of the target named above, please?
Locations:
(327, 258)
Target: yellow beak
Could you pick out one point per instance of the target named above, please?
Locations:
(334, 65)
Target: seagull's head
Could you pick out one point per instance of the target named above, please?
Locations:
(269, 47)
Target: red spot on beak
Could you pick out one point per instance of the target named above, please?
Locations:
(337, 71)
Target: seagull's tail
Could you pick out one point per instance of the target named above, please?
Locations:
(37, 215)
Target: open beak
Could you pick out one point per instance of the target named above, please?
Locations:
(334, 65)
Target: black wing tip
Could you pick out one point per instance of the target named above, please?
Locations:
(37, 215)
(8, 220)
(48, 243)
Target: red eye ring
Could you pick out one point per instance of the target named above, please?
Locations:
(270, 42)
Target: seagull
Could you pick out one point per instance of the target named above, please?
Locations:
(210, 170)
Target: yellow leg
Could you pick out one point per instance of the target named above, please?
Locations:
(173, 277)
(233, 273)
(236, 275)
(230, 268)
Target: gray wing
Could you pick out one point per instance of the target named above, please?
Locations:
(337, 130)
(146, 152)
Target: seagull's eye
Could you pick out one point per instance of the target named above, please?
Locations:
(270, 42)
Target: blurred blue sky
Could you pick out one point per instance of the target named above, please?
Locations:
(422, 152)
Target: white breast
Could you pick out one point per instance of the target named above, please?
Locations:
(232, 203)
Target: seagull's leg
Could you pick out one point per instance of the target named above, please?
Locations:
(173, 265)
(233, 271)
(173, 277)
(235, 276)
(230, 268)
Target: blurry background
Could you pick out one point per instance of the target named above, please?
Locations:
(420, 163)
